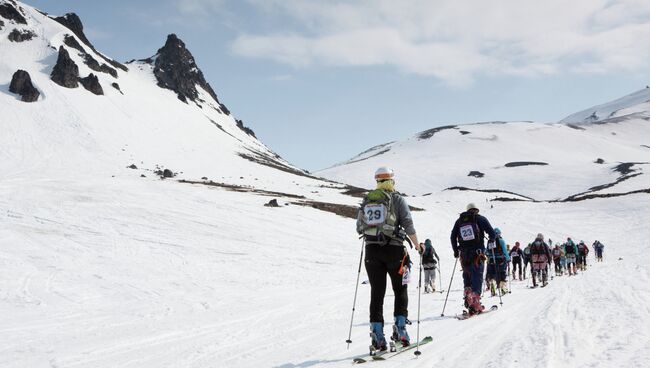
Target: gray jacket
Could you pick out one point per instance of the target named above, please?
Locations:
(403, 213)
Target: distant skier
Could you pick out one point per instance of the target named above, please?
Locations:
(557, 255)
(467, 241)
(583, 251)
(430, 261)
(541, 257)
(571, 251)
(516, 254)
(385, 221)
(497, 265)
(598, 248)
(562, 260)
(527, 259)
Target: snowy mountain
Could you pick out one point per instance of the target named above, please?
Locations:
(514, 160)
(85, 111)
(633, 106)
(101, 267)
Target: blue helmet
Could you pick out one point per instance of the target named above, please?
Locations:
(497, 231)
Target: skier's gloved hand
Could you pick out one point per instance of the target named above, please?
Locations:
(456, 254)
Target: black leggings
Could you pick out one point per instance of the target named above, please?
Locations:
(379, 261)
(516, 264)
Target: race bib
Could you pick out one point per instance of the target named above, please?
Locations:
(467, 233)
(406, 276)
(375, 214)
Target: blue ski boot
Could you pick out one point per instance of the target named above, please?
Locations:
(377, 336)
(399, 331)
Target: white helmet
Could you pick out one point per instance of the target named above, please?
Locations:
(384, 173)
(472, 206)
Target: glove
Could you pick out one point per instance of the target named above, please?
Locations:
(456, 254)
(482, 257)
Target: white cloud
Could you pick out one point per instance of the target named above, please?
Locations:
(452, 40)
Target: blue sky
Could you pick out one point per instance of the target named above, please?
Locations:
(320, 81)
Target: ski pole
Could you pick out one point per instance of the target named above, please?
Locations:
(449, 288)
(356, 289)
(440, 277)
(494, 259)
(509, 279)
(417, 348)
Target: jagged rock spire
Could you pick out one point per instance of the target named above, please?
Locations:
(176, 69)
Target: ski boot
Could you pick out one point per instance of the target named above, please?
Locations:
(493, 288)
(475, 306)
(504, 289)
(378, 341)
(399, 331)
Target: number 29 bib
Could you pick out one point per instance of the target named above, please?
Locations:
(375, 214)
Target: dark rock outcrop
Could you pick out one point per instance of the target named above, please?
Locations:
(21, 84)
(20, 36)
(65, 72)
(73, 43)
(91, 83)
(175, 69)
(476, 174)
(247, 130)
(431, 132)
(73, 23)
(599, 161)
(272, 203)
(525, 163)
(132, 166)
(117, 87)
(2, 24)
(8, 11)
(88, 59)
(94, 65)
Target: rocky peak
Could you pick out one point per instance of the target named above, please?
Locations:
(176, 69)
(21, 83)
(73, 23)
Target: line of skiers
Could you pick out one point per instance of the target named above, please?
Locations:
(384, 221)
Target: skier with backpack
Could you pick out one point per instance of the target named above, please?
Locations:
(541, 258)
(571, 251)
(557, 253)
(384, 220)
(599, 247)
(583, 251)
(516, 254)
(467, 241)
(430, 261)
(527, 259)
(496, 274)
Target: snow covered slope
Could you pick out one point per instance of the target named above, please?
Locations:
(534, 160)
(102, 268)
(633, 106)
(154, 113)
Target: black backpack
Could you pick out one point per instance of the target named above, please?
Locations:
(427, 256)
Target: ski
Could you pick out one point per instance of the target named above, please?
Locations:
(383, 355)
(466, 315)
(425, 340)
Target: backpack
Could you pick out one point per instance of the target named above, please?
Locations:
(538, 248)
(569, 248)
(498, 250)
(556, 253)
(427, 256)
(379, 218)
(469, 234)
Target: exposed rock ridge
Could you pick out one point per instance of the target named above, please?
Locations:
(90, 61)
(176, 69)
(73, 23)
